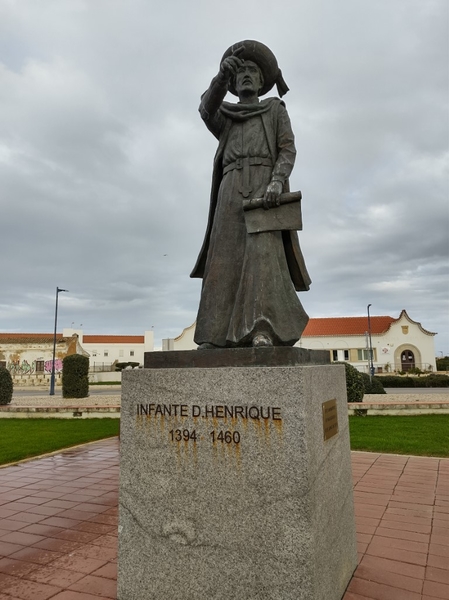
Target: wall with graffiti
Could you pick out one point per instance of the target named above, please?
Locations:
(17, 367)
(28, 357)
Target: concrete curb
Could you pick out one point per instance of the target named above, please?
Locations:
(59, 412)
(398, 408)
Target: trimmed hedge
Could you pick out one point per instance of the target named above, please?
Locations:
(434, 380)
(6, 386)
(396, 381)
(372, 385)
(354, 383)
(75, 380)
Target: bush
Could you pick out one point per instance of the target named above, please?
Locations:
(6, 386)
(436, 380)
(394, 381)
(75, 380)
(418, 382)
(354, 383)
(372, 385)
(122, 365)
(415, 371)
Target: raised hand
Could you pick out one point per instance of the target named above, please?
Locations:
(231, 64)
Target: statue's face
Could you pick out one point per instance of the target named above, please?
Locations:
(248, 79)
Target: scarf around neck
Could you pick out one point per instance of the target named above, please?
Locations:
(243, 112)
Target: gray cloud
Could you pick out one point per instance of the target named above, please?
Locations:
(105, 165)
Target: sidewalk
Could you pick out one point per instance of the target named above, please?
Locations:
(58, 527)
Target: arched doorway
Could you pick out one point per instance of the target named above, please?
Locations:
(407, 360)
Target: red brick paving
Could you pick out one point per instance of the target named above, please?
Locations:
(58, 527)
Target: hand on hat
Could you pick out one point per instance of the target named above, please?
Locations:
(230, 65)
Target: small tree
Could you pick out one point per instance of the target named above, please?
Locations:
(75, 376)
(372, 385)
(443, 363)
(6, 386)
(354, 383)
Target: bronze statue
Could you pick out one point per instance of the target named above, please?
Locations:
(248, 295)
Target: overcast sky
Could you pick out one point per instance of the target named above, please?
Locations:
(105, 164)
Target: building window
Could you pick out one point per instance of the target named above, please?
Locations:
(40, 366)
(131, 352)
(106, 353)
(338, 354)
(94, 353)
(364, 354)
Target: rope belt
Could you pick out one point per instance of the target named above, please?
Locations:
(245, 163)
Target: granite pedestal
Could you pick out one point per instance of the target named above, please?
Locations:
(229, 489)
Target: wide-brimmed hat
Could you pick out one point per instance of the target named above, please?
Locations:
(265, 60)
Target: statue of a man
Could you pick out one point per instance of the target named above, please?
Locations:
(248, 295)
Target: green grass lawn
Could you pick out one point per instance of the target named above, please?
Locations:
(421, 435)
(23, 438)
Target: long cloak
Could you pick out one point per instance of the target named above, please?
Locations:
(248, 279)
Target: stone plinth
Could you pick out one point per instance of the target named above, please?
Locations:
(275, 356)
(228, 489)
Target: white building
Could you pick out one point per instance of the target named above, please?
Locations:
(30, 354)
(398, 344)
(104, 350)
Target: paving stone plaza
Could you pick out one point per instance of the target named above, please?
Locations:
(58, 526)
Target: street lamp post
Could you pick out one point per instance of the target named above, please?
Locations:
(371, 364)
(52, 378)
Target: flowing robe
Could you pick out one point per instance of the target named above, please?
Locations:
(249, 280)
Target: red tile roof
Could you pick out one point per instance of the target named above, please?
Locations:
(113, 339)
(29, 338)
(323, 326)
(11, 338)
(346, 326)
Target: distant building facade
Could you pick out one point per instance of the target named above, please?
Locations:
(398, 344)
(105, 350)
(29, 356)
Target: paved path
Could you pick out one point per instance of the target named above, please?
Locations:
(111, 396)
(44, 392)
(58, 527)
(410, 396)
(94, 400)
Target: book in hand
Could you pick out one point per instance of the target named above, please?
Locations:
(286, 216)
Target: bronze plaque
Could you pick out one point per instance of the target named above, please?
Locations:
(330, 419)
